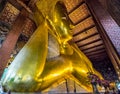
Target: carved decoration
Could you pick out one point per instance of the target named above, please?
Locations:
(9, 14)
(28, 28)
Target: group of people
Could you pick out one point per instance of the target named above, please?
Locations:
(110, 87)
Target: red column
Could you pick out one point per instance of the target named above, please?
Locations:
(11, 39)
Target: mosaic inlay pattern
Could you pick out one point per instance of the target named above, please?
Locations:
(28, 28)
(9, 14)
(70, 4)
(113, 31)
(80, 13)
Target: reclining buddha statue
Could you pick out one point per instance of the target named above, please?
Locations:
(49, 57)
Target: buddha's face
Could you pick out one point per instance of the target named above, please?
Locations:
(59, 24)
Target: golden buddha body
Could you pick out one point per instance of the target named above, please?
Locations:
(48, 58)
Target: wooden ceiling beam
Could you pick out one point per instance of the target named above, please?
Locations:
(95, 50)
(97, 55)
(87, 37)
(91, 47)
(90, 42)
(82, 19)
(84, 30)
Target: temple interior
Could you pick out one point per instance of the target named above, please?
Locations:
(76, 52)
